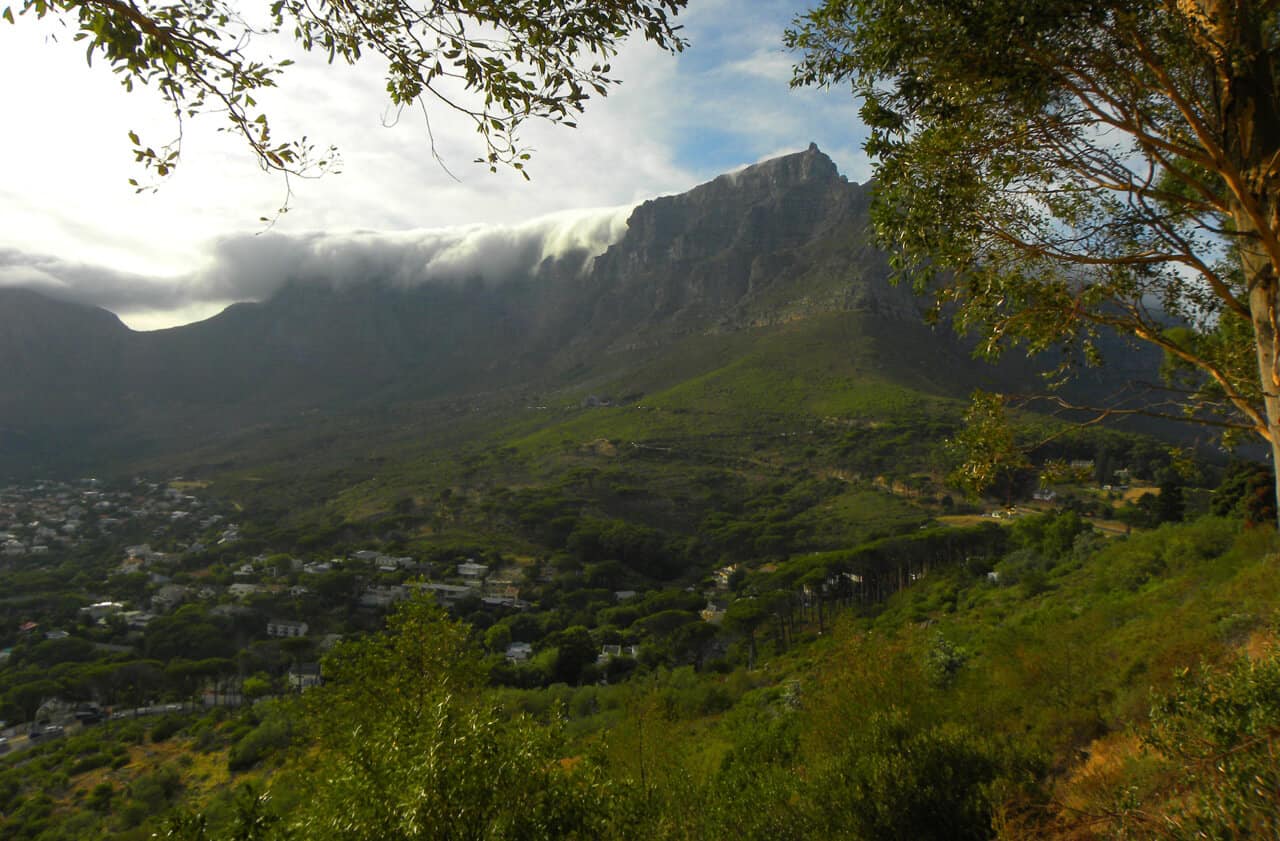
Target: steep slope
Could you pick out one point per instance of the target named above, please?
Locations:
(63, 381)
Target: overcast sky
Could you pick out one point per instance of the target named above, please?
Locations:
(71, 224)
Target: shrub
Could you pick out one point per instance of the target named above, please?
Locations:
(166, 727)
(1222, 730)
(268, 737)
(896, 781)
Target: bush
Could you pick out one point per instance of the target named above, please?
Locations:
(1222, 731)
(166, 727)
(88, 763)
(268, 737)
(896, 781)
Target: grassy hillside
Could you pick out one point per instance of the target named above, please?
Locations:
(1094, 688)
(823, 648)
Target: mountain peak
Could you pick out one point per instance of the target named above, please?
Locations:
(809, 167)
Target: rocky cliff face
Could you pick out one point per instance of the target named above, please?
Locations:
(746, 247)
(775, 241)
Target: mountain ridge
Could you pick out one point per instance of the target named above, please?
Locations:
(778, 242)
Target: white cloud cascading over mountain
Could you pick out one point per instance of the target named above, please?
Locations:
(252, 267)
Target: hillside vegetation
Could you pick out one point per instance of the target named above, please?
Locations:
(1091, 688)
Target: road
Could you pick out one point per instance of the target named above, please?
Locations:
(18, 738)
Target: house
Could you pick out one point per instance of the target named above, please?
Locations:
(624, 595)
(137, 620)
(230, 610)
(518, 652)
(723, 574)
(608, 652)
(446, 594)
(382, 597)
(130, 566)
(98, 610)
(470, 569)
(142, 551)
(501, 590)
(286, 628)
(218, 695)
(241, 590)
(1082, 469)
(169, 597)
(714, 611)
(304, 676)
(366, 555)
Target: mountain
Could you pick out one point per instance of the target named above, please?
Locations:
(775, 245)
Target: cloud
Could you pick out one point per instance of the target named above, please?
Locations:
(250, 268)
(88, 284)
(672, 123)
(254, 266)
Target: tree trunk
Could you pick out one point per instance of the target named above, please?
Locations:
(1264, 306)
(1250, 123)
(1245, 148)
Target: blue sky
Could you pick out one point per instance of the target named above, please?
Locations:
(70, 224)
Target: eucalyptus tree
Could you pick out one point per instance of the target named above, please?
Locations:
(497, 62)
(1053, 169)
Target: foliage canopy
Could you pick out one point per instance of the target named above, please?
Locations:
(1054, 170)
(497, 63)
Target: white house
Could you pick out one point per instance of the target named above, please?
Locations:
(518, 652)
(470, 569)
(242, 590)
(382, 596)
(100, 609)
(286, 628)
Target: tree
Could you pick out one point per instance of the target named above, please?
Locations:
(1245, 492)
(1051, 170)
(498, 62)
(1170, 506)
(989, 453)
(575, 650)
(414, 747)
